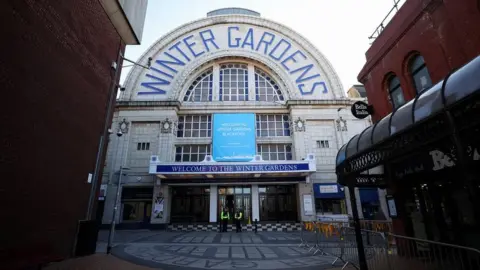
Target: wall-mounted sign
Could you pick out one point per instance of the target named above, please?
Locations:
(307, 205)
(392, 208)
(291, 57)
(103, 192)
(234, 137)
(328, 188)
(361, 109)
(370, 180)
(225, 168)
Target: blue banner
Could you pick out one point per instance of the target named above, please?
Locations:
(232, 168)
(234, 137)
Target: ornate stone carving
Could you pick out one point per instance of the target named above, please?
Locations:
(123, 126)
(341, 124)
(166, 126)
(299, 125)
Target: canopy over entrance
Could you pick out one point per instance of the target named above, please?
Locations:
(446, 116)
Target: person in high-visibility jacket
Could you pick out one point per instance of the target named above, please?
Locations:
(238, 220)
(224, 216)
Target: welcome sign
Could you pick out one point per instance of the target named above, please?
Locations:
(234, 137)
(295, 61)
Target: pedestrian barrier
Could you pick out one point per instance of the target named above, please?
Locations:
(383, 249)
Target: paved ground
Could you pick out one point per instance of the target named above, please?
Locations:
(212, 250)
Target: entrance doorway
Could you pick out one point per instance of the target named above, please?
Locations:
(235, 197)
(278, 203)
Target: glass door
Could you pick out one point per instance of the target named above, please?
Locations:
(234, 198)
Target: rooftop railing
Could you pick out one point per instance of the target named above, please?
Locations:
(396, 6)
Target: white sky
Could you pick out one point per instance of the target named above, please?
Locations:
(338, 28)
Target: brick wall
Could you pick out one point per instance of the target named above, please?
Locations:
(55, 76)
(445, 33)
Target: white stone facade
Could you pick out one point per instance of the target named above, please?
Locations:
(325, 111)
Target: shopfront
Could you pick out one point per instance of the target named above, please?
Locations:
(330, 201)
(426, 155)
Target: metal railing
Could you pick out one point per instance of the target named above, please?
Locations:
(383, 249)
(396, 6)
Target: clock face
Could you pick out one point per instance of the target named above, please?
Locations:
(166, 125)
(299, 124)
(123, 126)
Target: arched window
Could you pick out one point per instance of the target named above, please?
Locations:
(201, 89)
(419, 73)
(266, 89)
(395, 92)
(233, 82)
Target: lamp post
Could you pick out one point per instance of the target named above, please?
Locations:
(101, 145)
(115, 205)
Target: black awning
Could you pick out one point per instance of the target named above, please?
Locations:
(370, 148)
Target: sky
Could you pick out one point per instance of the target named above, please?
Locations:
(338, 28)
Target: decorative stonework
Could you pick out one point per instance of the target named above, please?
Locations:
(123, 126)
(166, 126)
(341, 124)
(299, 125)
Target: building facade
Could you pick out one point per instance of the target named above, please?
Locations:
(235, 111)
(56, 75)
(423, 146)
(423, 42)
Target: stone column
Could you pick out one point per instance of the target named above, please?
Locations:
(213, 203)
(255, 204)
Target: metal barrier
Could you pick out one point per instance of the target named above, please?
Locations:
(383, 250)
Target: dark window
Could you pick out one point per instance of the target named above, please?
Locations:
(419, 72)
(142, 146)
(395, 92)
(333, 206)
(323, 144)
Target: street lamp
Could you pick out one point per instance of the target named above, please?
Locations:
(101, 145)
(115, 206)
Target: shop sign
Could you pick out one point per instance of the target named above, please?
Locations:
(328, 189)
(171, 61)
(234, 137)
(226, 168)
(371, 180)
(361, 109)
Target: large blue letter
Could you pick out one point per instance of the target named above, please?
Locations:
(179, 50)
(230, 45)
(262, 40)
(190, 45)
(153, 86)
(165, 63)
(306, 69)
(292, 57)
(300, 87)
(248, 40)
(211, 38)
(284, 51)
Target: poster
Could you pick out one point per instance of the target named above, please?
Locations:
(158, 206)
(307, 205)
(234, 137)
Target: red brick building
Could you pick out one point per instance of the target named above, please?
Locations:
(444, 32)
(56, 79)
(424, 42)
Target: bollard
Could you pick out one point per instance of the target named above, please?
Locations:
(255, 225)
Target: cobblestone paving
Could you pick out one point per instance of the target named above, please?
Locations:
(211, 250)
